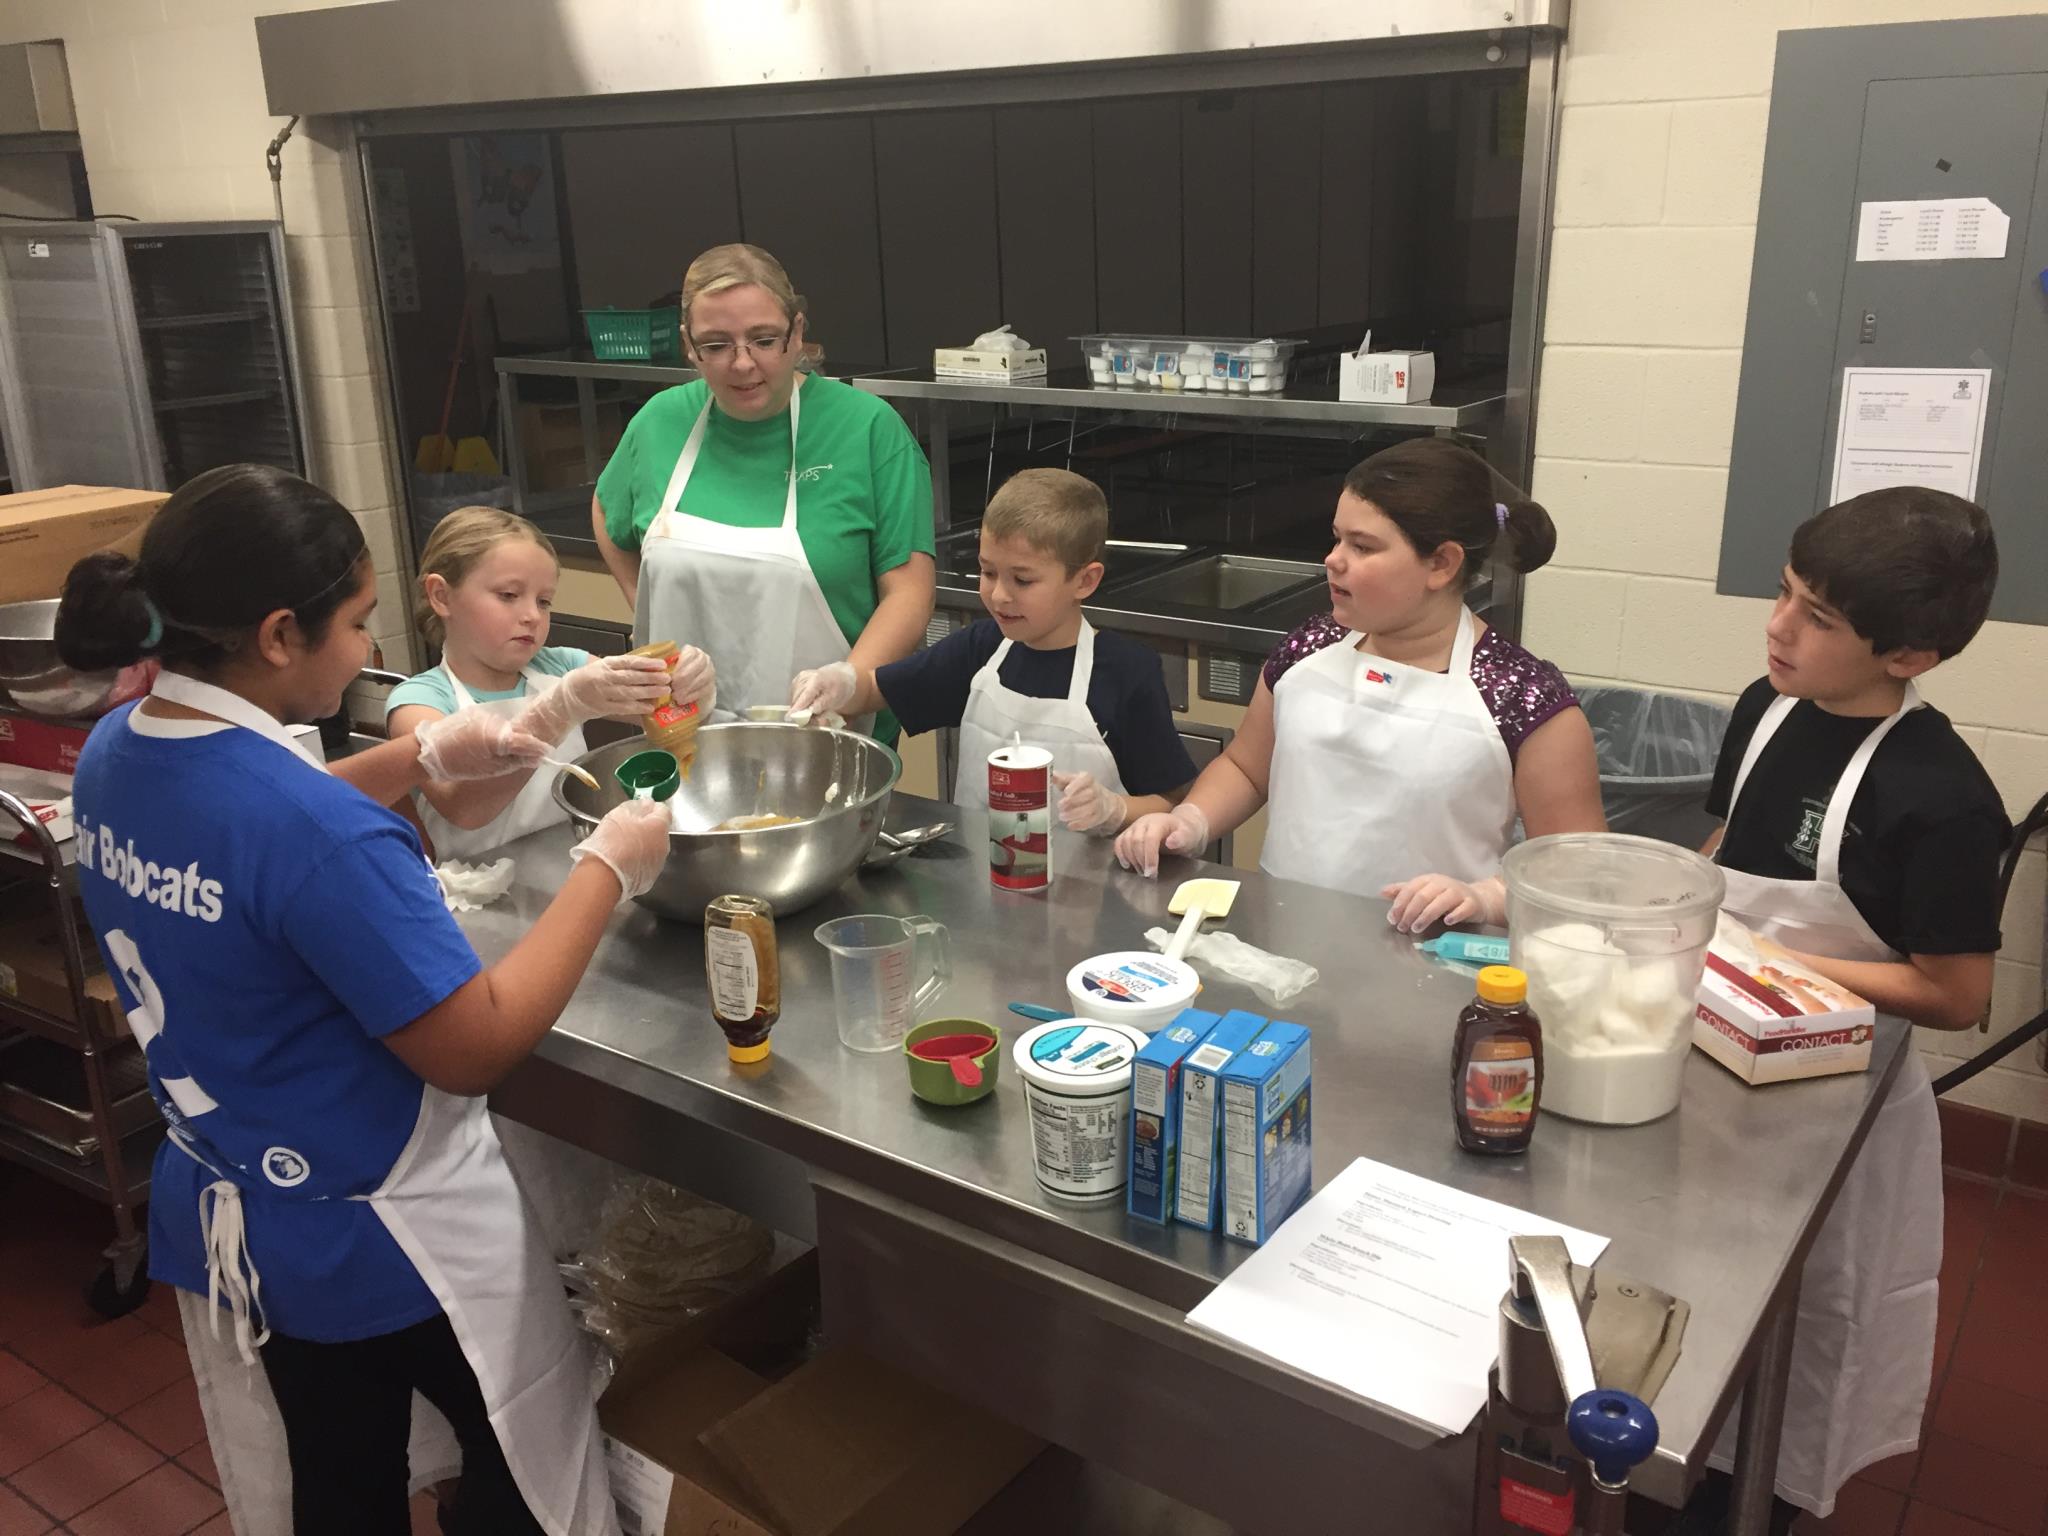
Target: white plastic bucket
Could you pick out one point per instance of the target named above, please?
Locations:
(1077, 1084)
(1135, 987)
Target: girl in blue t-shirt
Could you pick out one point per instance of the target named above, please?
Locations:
(317, 1030)
(487, 586)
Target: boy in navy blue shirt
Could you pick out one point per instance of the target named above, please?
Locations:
(1035, 669)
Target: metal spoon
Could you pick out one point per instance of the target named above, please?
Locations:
(575, 770)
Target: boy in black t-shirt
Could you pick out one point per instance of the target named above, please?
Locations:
(1117, 754)
(1877, 591)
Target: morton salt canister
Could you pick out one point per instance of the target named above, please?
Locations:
(1020, 818)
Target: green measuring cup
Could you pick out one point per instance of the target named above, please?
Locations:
(650, 775)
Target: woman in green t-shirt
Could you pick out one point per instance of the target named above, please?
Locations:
(779, 520)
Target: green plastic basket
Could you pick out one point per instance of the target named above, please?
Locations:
(635, 335)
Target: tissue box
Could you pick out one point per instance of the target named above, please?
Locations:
(1266, 1133)
(1769, 1018)
(1386, 378)
(989, 365)
(1200, 1171)
(1155, 1113)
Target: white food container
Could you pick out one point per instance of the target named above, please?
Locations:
(1612, 932)
(1136, 987)
(1386, 378)
(1077, 1084)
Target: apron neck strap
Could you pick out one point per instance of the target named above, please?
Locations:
(1827, 864)
(1084, 665)
(177, 688)
(1766, 728)
(686, 461)
(535, 680)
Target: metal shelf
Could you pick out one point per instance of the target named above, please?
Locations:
(229, 397)
(87, 1175)
(214, 317)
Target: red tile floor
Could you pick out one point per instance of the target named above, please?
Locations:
(100, 1433)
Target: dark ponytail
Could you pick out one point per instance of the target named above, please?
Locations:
(229, 548)
(1438, 493)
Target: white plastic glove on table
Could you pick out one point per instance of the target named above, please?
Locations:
(605, 685)
(1086, 806)
(476, 743)
(823, 690)
(1184, 829)
(632, 841)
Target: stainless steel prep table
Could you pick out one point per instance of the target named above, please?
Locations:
(933, 1229)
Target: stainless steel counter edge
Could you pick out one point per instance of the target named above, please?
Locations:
(1458, 410)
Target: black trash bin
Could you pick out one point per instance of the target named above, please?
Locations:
(1656, 754)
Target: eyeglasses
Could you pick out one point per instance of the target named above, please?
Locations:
(723, 353)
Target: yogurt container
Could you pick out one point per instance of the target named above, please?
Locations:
(1136, 987)
(1077, 1085)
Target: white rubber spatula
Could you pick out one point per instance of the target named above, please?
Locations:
(1194, 901)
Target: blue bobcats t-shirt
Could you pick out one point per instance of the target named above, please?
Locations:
(267, 926)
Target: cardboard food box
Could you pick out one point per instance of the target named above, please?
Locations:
(46, 794)
(700, 1444)
(32, 962)
(1386, 378)
(989, 365)
(1770, 1018)
(1200, 1176)
(1155, 1113)
(1266, 1156)
(44, 533)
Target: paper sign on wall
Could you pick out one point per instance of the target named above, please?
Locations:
(1910, 426)
(1932, 229)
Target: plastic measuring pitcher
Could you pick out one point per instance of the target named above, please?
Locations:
(875, 958)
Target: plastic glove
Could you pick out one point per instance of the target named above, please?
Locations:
(605, 685)
(693, 677)
(824, 690)
(1184, 829)
(633, 841)
(476, 743)
(1426, 900)
(1085, 806)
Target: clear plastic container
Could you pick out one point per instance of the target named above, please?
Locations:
(1612, 932)
(1218, 364)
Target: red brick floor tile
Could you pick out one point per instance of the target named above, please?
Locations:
(60, 1347)
(1967, 1479)
(78, 1475)
(166, 1502)
(1966, 1212)
(18, 1517)
(1894, 1473)
(17, 1378)
(1861, 1509)
(199, 1462)
(217, 1526)
(1974, 1140)
(1994, 1418)
(1989, 1353)
(160, 1311)
(118, 1376)
(33, 1426)
(171, 1420)
(1928, 1520)
(426, 1519)
(2030, 1156)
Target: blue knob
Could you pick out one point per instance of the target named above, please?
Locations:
(1613, 1431)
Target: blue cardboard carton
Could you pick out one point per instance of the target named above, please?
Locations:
(1200, 1180)
(1265, 1132)
(1155, 1113)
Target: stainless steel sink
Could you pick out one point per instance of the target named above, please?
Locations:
(1222, 583)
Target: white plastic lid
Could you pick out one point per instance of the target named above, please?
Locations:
(1136, 979)
(1077, 1057)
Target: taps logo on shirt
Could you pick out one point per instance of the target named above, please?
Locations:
(813, 472)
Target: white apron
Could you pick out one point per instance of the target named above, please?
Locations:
(745, 596)
(452, 1206)
(532, 809)
(996, 715)
(1382, 771)
(1863, 1354)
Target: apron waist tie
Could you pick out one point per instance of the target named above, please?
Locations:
(228, 1270)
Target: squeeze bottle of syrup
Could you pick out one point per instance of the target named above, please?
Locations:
(672, 724)
(1497, 1065)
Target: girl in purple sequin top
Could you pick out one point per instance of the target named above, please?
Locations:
(1379, 762)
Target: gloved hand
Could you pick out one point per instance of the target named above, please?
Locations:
(1429, 899)
(476, 743)
(633, 841)
(1085, 806)
(693, 677)
(824, 690)
(1184, 829)
(604, 685)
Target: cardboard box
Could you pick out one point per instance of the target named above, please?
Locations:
(46, 794)
(989, 365)
(32, 962)
(1266, 1159)
(551, 438)
(1769, 1018)
(44, 533)
(701, 1445)
(1200, 1175)
(1386, 378)
(47, 746)
(1155, 1113)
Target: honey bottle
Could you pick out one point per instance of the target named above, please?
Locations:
(743, 972)
(670, 726)
(1497, 1065)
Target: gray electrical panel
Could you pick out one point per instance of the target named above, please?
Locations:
(1859, 115)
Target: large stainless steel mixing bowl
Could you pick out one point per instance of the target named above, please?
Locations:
(752, 770)
(32, 679)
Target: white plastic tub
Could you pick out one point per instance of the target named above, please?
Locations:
(1136, 987)
(1077, 1085)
